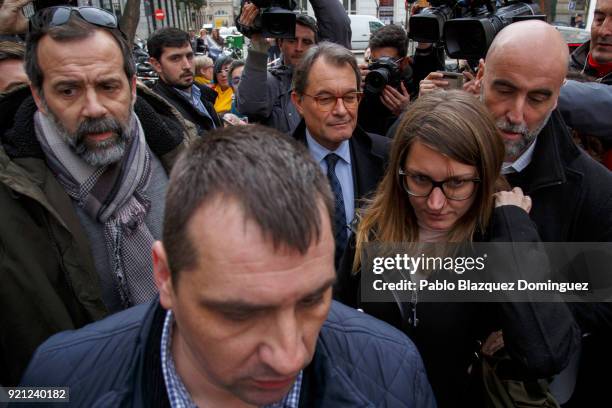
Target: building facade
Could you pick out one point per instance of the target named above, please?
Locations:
(178, 14)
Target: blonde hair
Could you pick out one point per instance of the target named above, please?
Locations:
(202, 61)
(458, 126)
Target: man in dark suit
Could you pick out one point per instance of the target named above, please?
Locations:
(326, 93)
(172, 58)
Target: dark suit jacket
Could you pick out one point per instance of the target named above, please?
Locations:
(369, 155)
(187, 110)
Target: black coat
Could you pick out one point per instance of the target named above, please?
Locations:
(187, 110)
(540, 337)
(572, 202)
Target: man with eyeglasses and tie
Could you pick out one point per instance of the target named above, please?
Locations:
(83, 176)
(326, 93)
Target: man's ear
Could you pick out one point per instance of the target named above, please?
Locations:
(297, 101)
(156, 65)
(162, 275)
(133, 89)
(481, 69)
(38, 99)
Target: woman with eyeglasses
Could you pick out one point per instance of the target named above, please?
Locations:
(222, 84)
(443, 185)
(235, 74)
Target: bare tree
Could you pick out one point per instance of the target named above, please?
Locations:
(130, 18)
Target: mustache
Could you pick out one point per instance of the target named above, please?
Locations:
(509, 127)
(99, 125)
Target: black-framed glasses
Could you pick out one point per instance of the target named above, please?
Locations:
(59, 15)
(327, 102)
(454, 188)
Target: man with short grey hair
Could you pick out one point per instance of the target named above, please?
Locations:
(326, 93)
(82, 182)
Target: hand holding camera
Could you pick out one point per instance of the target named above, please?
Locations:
(246, 20)
(395, 100)
(270, 18)
(442, 80)
(384, 77)
(12, 20)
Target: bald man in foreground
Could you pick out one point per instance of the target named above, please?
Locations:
(571, 193)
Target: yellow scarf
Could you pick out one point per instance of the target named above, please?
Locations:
(224, 99)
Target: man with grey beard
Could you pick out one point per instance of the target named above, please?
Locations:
(83, 174)
(571, 193)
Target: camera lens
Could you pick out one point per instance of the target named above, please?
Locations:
(376, 80)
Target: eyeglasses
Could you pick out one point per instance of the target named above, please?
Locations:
(327, 102)
(454, 188)
(235, 80)
(57, 16)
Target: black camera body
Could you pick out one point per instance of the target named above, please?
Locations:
(384, 71)
(276, 19)
(467, 27)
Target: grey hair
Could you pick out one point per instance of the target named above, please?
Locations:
(277, 183)
(332, 53)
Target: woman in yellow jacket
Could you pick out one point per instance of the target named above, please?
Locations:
(222, 85)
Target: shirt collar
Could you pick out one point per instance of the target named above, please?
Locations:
(195, 92)
(319, 152)
(523, 161)
(178, 395)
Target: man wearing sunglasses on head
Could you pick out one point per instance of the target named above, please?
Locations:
(83, 176)
(326, 93)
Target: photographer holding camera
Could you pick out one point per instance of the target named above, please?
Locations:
(389, 75)
(264, 95)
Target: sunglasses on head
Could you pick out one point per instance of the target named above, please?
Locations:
(59, 15)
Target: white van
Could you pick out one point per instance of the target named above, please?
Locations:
(362, 27)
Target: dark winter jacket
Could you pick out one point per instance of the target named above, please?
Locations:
(185, 107)
(358, 362)
(48, 281)
(579, 62)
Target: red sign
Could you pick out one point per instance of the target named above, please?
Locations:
(159, 14)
